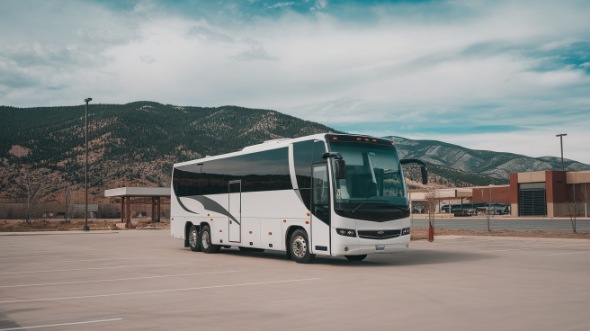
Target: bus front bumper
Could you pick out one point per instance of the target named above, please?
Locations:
(372, 247)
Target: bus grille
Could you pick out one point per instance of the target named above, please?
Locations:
(379, 234)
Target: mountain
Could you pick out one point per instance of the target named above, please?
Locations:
(459, 164)
(134, 143)
(137, 143)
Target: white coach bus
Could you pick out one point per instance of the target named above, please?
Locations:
(326, 194)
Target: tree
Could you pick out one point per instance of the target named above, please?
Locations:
(30, 185)
(572, 206)
(70, 197)
(431, 202)
(489, 209)
(585, 197)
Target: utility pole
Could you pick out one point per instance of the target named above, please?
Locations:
(561, 135)
(86, 228)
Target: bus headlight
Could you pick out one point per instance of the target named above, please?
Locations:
(346, 232)
(405, 231)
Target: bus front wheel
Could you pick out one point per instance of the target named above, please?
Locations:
(299, 247)
(206, 245)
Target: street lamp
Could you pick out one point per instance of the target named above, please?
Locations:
(561, 135)
(86, 228)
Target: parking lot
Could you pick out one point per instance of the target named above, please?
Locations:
(145, 280)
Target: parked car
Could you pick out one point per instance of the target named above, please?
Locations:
(493, 208)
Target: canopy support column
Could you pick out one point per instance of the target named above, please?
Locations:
(155, 209)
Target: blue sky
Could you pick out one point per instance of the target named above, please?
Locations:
(497, 75)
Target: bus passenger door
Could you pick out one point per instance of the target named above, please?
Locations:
(234, 204)
(320, 208)
(321, 192)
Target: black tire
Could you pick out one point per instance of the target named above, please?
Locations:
(356, 257)
(205, 240)
(299, 247)
(193, 239)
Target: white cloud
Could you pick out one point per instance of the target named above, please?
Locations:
(409, 65)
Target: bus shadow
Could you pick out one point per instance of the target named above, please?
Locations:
(267, 254)
(409, 258)
(412, 257)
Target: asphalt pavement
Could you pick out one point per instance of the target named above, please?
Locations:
(145, 280)
(503, 223)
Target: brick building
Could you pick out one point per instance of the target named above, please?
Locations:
(549, 193)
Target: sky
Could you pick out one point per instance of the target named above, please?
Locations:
(497, 75)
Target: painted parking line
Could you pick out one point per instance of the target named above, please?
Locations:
(506, 250)
(36, 252)
(87, 260)
(568, 253)
(122, 279)
(161, 291)
(465, 241)
(95, 268)
(536, 247)
(61, 324)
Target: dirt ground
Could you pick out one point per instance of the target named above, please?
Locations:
(73, 225)
(422, 234)
(145, 224)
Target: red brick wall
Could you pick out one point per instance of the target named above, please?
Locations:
(557, 190)
(499, 194)
(513, 188)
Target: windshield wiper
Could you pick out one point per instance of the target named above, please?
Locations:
(399, 207)
(362, 203)
(404, 209)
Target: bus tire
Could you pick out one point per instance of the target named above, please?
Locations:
(299, 247)
(356, 257)
(205, 240)
(193, 239)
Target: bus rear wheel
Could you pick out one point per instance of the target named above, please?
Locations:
(299, 247)
(205, 239)
(356, 257)
(193, 239)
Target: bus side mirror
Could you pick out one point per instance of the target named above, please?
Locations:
(424, 173)
(340, 169)
(423, 169)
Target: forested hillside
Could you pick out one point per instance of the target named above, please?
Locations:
(136, 144)
(131, 144)
(456, 164)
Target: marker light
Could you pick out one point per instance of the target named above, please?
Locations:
(346, 232)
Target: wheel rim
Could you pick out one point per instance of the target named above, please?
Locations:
(205, 239)
(193, 238)
(299, 248)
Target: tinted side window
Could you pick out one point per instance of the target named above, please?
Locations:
(262, 171)
(302, 155)
(186, 183)
(319, 148)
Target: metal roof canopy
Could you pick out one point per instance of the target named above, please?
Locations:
(138, 192)
(126, 193)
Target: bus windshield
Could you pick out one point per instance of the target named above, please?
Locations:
(372, 186)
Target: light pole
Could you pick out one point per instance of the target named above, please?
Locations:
(86, 228)
(561, 135)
